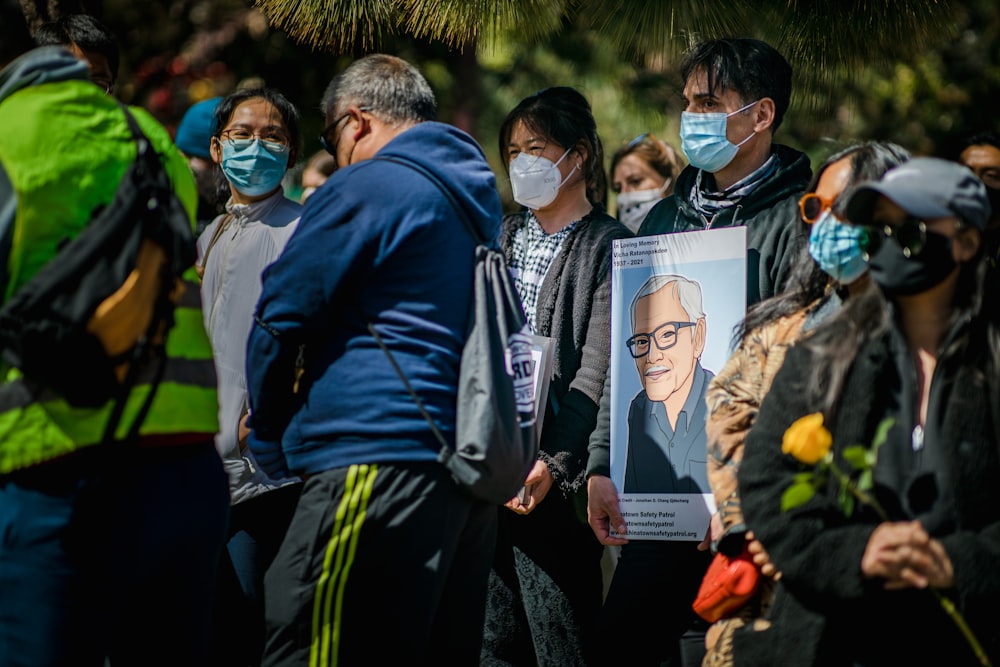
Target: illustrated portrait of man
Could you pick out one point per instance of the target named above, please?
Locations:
(666, 420)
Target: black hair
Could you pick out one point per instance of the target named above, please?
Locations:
(807, 282)
(985, 138)
(562, 115)
(288, 111)
(83, 31)
(750, 67)
(14, 36)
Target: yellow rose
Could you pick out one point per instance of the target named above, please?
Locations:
(807, 439)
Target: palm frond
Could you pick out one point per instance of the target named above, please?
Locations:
(333, 25)
(457, 22)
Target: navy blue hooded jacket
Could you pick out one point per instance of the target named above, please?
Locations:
(377, 243)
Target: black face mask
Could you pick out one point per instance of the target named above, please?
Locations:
(899, 275)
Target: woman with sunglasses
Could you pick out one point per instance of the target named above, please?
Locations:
(642, 173)
(826, 273)
(905, 376)
(255, 142)
(546, 584)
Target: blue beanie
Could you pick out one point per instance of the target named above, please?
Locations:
(194, 134)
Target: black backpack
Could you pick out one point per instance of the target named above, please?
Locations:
(496, 442)
(43, 327)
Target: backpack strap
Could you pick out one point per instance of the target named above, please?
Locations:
(446, 449)
(162, 312)
(216, 235)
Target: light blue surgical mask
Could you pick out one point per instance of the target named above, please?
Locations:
(704, 142)
(836, 247)
(254, 167)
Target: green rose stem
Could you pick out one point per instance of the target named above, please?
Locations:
(946, 604)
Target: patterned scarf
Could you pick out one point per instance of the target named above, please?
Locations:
(710, 203)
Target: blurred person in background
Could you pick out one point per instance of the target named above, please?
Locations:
(89, 40)
(643, 172)
(317, 170)
(980, 152)
(194, 139)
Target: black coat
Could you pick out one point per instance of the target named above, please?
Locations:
(826, 612)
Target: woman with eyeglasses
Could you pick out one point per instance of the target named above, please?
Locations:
(256, 141)
(642, 173)
(827, 272)
(900, 390)
(546, 584)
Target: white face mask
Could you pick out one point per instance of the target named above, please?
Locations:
(633, 206)
(535, 180)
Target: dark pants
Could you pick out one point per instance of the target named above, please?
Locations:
(545, 589)
(382, 565)
(647, 618)
(111, 552)
(256, 530)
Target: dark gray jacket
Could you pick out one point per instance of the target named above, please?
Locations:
(574, 308)
(770, 213)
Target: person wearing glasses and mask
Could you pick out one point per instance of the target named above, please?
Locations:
(736, 93)
(907, 371)
(546, 585)
(256, 140)
(89, 40)
(643, 172)
(830, 270)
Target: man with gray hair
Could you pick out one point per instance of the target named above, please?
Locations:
(666, 420)
(387, 559)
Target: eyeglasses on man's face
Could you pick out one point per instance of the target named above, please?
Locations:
(663, 337)
(327, 139)
(911, 236)
(242, 138)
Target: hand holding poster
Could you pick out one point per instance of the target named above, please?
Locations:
(675, 301)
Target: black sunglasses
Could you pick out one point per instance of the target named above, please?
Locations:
(330, 143)
(911, 236)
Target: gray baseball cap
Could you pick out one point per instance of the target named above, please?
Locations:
(926, 188)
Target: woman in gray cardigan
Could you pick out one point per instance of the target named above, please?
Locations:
(545, 589)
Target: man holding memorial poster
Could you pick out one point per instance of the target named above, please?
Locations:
(675, 300)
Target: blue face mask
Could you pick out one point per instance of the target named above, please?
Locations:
(254, 170)
(836, 247)
(704, 142)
